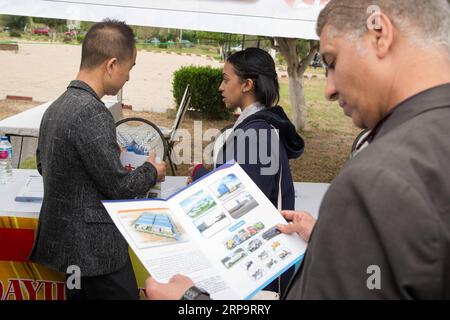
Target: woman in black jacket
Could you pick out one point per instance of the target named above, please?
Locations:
(250, 82)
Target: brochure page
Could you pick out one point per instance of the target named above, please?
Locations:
(220, 231)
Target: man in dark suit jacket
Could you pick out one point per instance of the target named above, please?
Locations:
(384, 225)
(79, 159)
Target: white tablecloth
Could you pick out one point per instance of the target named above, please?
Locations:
(8, 192)
(27, 123)
(308, 195)
(10, 207)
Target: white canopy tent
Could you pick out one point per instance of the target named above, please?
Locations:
(281, 18)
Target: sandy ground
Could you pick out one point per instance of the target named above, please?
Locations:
(43, 71)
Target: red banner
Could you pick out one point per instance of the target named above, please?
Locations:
(15, 244)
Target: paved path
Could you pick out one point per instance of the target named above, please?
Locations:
(43, 71)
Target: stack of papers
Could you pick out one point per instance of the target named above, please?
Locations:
(32, 191)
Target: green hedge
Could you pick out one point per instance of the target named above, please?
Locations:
(204, 85)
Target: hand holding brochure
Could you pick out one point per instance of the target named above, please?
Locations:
(219, 231)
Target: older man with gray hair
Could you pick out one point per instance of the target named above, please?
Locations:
(384, 225)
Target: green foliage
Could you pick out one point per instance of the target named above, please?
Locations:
(166, 37)
(80, 38)
(16, 22)
(204, 85)
(86, 25)
(218, 37)
(52, 23)
(190, 35)
(142, 32)
(15, 33)
(303, 47)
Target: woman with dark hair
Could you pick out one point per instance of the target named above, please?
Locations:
(263, 138)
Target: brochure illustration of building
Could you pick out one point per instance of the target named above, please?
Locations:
(220, 231)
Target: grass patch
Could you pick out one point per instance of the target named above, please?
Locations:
(29, 163)
(328, 135)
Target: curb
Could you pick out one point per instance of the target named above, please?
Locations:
(305, 76)
(189, 55)
(19, 98)
(9, 47)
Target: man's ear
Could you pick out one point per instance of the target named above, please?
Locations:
(248, 85)
(381, 31)
(110, 65)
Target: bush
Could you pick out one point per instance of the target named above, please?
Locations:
(204, 85)
(15, 34)
(80, 38)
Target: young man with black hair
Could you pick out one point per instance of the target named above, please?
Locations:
(79, 159)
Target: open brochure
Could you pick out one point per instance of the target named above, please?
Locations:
(218, 231)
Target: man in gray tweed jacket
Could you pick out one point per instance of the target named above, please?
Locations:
(79, 159)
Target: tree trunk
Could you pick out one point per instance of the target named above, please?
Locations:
(298, 101)
(296, 69)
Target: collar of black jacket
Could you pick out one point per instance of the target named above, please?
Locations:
(431, 99)
(78, 84)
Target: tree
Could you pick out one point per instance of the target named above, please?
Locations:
(16, 22)
(224, 40)
(86, 25)
(298, 55)
(52, 23)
